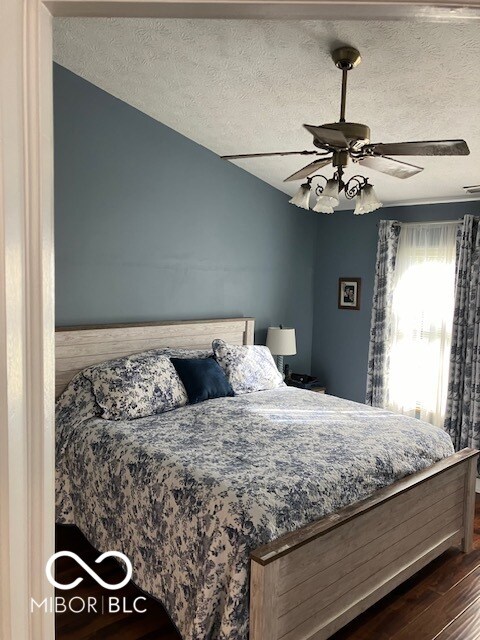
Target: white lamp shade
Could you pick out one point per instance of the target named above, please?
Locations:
(281, 341)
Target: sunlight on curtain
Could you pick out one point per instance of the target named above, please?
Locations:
(422, 316)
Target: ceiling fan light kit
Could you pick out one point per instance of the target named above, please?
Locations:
(328, 196)
(343, 143)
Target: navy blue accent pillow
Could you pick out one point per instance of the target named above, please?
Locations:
(203, 378)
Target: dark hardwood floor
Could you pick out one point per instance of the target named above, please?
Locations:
(442, 602)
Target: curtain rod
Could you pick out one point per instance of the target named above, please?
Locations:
(409, 224)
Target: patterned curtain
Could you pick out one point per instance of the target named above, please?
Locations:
(462, 420)
(388, 235)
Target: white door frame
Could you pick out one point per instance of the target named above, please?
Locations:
(26, 260)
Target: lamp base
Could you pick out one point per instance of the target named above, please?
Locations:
(280, 364)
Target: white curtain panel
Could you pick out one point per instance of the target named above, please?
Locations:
(422, 317)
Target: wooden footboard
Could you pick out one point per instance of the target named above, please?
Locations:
(308, 584)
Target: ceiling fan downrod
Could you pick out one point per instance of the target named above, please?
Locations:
(343, 100)
(345, 59)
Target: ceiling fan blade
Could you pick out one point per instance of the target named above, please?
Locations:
(427, 148)
(328, 137)
(274, 153)
(310, 168)
(390, 166)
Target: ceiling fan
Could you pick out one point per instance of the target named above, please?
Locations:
(341, 143)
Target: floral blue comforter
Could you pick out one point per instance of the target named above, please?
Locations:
(186, 495)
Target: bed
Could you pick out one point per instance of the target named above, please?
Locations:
(277, 515)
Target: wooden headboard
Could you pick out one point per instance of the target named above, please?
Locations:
(80, 347)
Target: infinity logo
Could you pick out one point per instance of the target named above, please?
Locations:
(95, 576)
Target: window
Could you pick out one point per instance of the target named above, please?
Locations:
(422, 317)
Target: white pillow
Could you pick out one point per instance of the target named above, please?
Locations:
(248, 368)
(136, 386)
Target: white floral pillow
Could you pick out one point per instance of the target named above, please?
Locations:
(248, 368)
(136, 386)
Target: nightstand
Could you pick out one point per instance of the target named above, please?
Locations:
(309, 386)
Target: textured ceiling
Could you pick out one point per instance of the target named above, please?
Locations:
(239, 86)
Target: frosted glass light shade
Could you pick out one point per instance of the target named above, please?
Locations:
(370, 200)
(302, 197)
(367, 201)
(325, 204)
(331, 191)
(359, 205)
(281, 341)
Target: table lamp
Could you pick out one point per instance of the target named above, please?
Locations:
(281, 342)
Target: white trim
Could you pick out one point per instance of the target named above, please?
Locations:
(40, 323)
(426, 201)
(26, 318)
(429, 10)
(13, 456)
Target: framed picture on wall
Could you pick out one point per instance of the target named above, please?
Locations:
(349, 293)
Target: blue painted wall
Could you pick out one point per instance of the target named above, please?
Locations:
(151, 226)
(346, 246)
